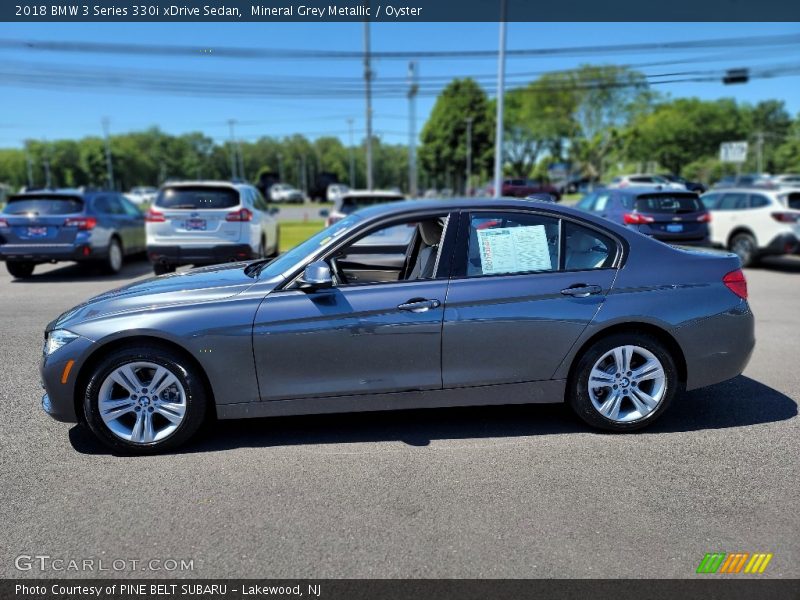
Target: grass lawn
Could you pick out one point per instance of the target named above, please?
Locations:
(570, 199)
(294, 232)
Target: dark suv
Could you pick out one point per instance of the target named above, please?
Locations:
(670, 216)
(70, 225)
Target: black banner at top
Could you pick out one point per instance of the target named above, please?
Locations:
(396, 10)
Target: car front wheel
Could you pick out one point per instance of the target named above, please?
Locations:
(144, 400)
(623, 382)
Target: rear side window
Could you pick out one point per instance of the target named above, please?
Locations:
(757, 201)
(793, 201)
(670, 203)
(586, 249)
(506, 243)
(43, 205)
(196, 198)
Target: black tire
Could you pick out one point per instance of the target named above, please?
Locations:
(187, 375)
(745, 247)
(112, 264)
(163, 268)
(578, 384)
(21, 269)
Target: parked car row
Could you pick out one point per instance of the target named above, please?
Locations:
(188, 223)
(750, 222)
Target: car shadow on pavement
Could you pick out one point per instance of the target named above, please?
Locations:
(736, 403)
(779, 264)
(71, 272)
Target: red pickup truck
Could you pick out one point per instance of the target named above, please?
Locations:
(521, 188)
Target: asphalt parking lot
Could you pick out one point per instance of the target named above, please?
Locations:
(479, 492)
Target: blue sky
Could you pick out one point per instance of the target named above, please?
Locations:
(61, 113)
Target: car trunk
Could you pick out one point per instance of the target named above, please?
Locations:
(672, 217)
(197, 215)
(42, 219)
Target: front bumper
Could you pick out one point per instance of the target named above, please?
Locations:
(60, 390)
(199, 255)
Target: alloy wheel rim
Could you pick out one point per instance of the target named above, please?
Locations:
(142, 402)
(743, 248)
(115, 257)
(627, 383)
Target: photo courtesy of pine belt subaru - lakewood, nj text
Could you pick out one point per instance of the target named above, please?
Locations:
(484, 302)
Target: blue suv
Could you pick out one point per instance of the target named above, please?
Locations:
(69, 225)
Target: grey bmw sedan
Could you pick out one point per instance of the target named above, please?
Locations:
(482, 302)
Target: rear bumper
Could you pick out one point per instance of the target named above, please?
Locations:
(48, 252)
(199, 255)
(785, 243)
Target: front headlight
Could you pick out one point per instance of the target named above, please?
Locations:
(56, 339)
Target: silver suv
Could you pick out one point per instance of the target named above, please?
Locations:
(208, 222)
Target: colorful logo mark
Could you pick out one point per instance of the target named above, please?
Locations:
(734, 562)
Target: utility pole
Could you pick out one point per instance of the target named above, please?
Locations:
(29, 162)
(368, 89)
(413, 88)
(352, 157)
(231, 123)
(241, 159)
(109, 164)
(760, 151)
(280, 166)
(469, 155)
(501, 76)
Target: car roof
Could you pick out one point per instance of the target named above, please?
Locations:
(641, 190)
(748, 189)
(371, 194)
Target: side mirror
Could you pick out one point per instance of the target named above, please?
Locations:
(324, 213)
(274, 210)
(317, 276)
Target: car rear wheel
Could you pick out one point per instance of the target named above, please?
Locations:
(113, 262)
(20, 269)
(623, 382)
(744, 246)
(144, 400)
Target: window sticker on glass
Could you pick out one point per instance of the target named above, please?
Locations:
(514, 250)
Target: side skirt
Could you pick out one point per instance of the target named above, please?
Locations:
(533, 392)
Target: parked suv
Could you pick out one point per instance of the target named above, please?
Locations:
(754, 222)
(672, 216)
(69, 225)
(200, 223)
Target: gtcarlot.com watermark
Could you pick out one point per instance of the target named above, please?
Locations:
(44, 563)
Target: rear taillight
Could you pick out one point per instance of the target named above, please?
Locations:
(82, 223)
(636, 219)
(3, 223)
(786, 217)
(704, 218)
(243, 214)
(154, 216)
(736, 283)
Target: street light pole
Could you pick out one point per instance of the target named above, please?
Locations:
(109, 162)
(231, 123)
(469, 155)
(368, 90)
(412, 129)
(352, 157)
(501, 76)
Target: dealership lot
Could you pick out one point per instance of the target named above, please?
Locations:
(479, 492)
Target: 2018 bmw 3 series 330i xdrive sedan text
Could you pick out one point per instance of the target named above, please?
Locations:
(407, 305)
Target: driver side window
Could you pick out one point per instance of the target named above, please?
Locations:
(399, 252)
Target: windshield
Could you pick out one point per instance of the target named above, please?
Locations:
(288, 259)
(197, 197)
(43, 205)
(353, 203)
(668, 204)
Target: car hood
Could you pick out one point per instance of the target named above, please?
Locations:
(197, 285)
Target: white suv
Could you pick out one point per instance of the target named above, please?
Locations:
(754, 222)
(645, 180)
(208, 222)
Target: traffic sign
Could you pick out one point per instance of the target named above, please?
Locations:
(735, 152)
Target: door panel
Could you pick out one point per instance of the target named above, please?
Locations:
(349, 340)
(517, 327)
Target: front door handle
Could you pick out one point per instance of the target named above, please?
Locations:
(581, 290)
(419, 305)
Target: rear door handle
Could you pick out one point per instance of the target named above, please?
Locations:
(581, 291)
(419, 305)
